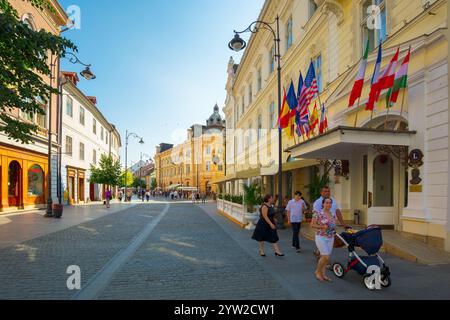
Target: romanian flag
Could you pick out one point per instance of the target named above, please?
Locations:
(314, 118)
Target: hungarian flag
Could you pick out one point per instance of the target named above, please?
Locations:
(359, 82)
(375, 82)
(388, 77)
(400, 82)
(314, 118)
(323, 120)
(285, 115)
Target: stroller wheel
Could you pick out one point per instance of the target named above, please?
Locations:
(369, 282)
(338, 270)
(385, 281)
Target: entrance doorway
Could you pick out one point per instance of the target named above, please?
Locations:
(91, 192)
(383, 181)
(81, 189)
(14, 184)
(71, 190)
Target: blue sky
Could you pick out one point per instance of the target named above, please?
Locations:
(160, 65)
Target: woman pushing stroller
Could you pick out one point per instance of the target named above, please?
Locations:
(325, 224)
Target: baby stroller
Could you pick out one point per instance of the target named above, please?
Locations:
(371, 241)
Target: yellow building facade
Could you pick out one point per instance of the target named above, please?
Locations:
(24, 168)
(392, 167)
(197, 162)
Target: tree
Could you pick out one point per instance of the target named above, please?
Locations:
(153, 184)
(108, 172)
(318, 181)
(139, 183)
(24, 61)
(129, 179)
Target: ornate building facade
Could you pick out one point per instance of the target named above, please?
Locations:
(197, 162)
(365, 155)
(24, 168)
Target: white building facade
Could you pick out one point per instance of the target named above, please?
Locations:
(86, 136)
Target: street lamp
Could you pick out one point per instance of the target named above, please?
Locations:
(141, 141)
(237, 44)
(88, 75)
(140, 165)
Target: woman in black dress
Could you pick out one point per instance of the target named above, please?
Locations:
(266, 229)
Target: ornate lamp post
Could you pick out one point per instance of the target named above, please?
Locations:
(141, 141)
(237, 44)
(88, 75)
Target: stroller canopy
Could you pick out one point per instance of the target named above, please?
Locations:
(370, 239)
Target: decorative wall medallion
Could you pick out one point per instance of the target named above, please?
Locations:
(416, 158)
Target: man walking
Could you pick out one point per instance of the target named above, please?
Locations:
(295, 208)
(326, 193)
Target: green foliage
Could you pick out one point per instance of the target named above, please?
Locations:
(153, 184)
(318, 181)
(108, 172)
(231, 198)
(252, 196)
(129, 179)
(24, 61)
(139, 183)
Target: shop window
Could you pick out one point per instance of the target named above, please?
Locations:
(35, 181)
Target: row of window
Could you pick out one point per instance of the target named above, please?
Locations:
(81, 150)
(187, 171)
(82, 120)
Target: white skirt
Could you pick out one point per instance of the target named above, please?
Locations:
(325, 245)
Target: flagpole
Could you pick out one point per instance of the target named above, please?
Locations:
(356, 117)
(387, 115)
(401, 111)
(403, 99)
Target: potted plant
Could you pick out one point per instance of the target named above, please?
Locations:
(252, 196)
(57, 210)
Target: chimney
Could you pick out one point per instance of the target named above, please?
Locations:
(93, 100)
(71, 76)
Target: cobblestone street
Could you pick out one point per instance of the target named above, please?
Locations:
(184, 251)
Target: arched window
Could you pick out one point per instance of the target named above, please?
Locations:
(35, 181)
(28, 20)
(14, 179)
